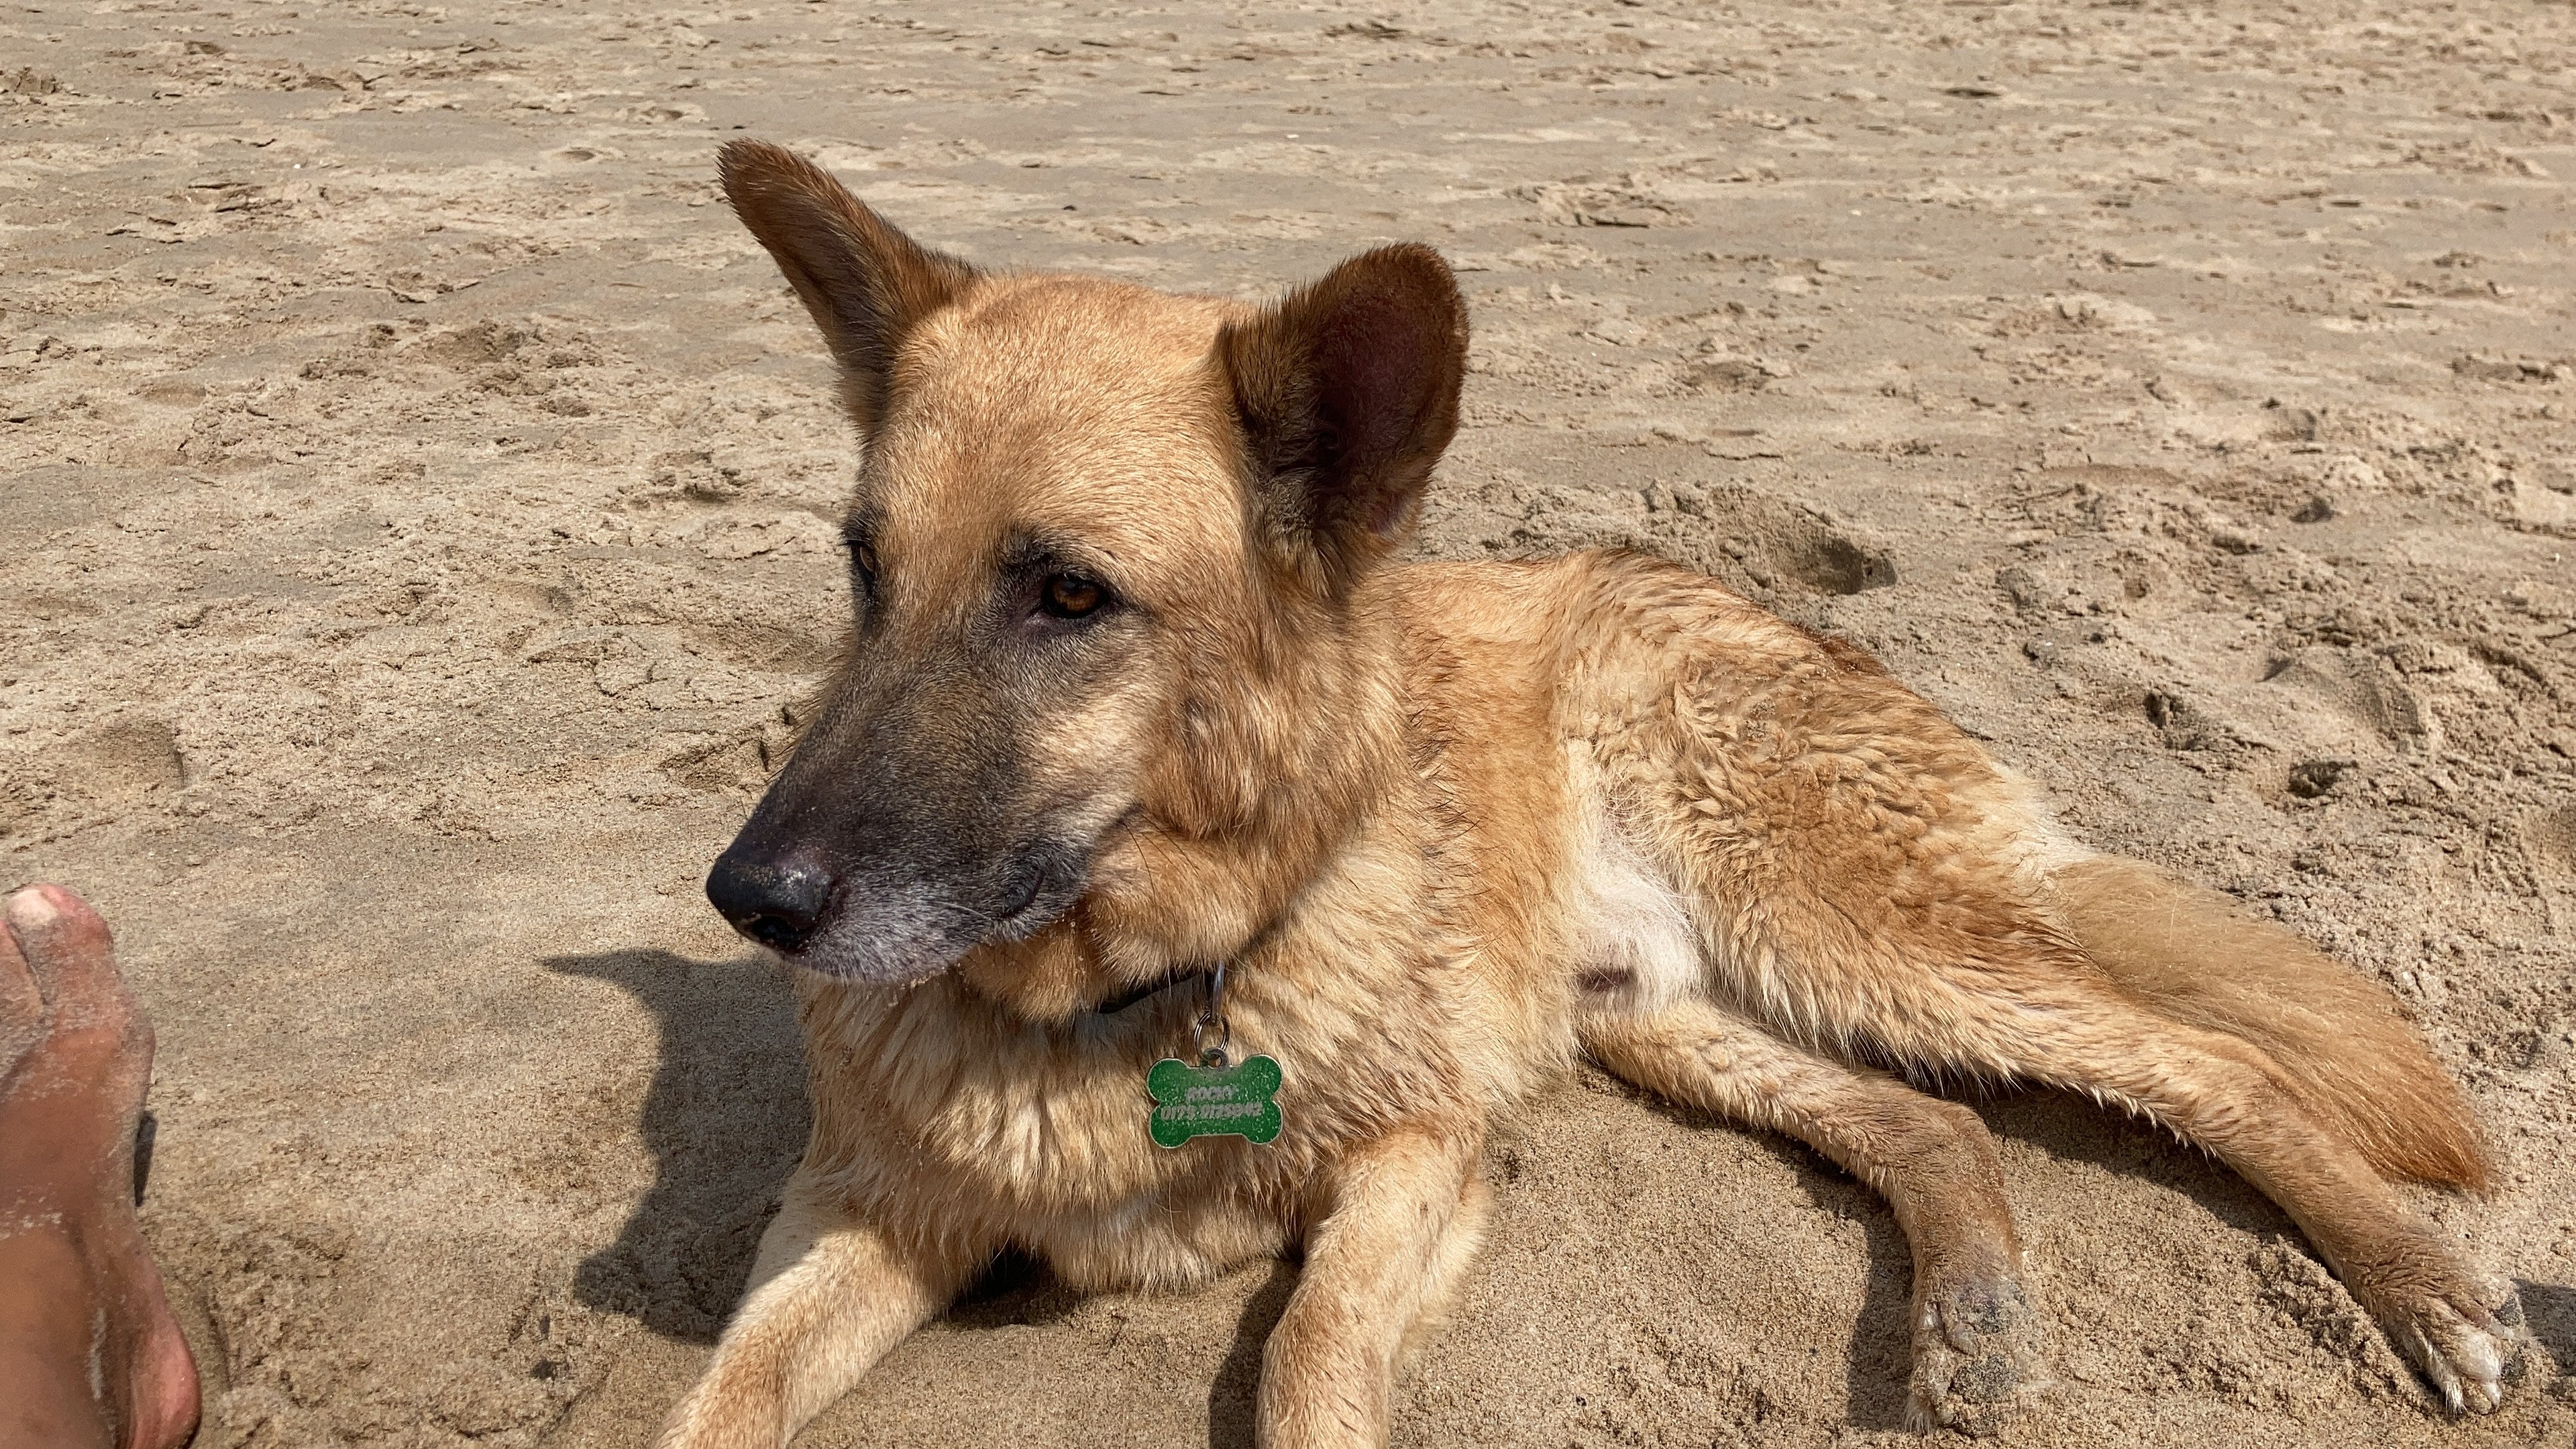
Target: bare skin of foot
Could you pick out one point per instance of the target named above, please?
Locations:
(88, 1347)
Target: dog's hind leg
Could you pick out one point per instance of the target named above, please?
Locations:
(829, 1296)
(2229, 1096)
(1976, 1339)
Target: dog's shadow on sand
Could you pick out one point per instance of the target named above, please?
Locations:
(725, 1118)
(1020, 1289)
(2550, 1310)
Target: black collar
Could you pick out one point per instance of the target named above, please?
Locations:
(1174, 977)
(1134, 994)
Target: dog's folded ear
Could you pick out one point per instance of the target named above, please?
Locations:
(866, 283)
(1348, 391)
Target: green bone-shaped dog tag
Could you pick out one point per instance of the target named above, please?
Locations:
(1213, 1101)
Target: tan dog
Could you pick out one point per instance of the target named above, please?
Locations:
(1128, 694)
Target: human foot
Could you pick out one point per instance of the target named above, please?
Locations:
(87, 1340)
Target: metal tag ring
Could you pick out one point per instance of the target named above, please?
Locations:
(1211, 1020)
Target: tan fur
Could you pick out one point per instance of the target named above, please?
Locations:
(1452, 825)
(2336, 1036)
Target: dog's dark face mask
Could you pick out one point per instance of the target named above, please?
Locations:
(1013, 561)
(1081, 501)
(914, 821)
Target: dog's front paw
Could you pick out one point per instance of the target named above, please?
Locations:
(1976, 1355)
(2465, 1333)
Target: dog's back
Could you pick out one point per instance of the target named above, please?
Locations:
(1764, 816)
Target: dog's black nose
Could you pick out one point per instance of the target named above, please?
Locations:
(780, 905)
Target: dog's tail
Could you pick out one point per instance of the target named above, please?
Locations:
(2194, 957)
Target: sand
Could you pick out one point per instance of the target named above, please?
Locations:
(419, 498)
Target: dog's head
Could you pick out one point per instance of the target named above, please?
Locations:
(1102, 553)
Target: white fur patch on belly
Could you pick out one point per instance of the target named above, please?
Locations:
(1636, 946)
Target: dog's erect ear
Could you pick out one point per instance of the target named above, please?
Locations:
(1348, 390)
(866, 283)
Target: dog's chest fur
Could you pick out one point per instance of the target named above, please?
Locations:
(944, 1111)
(951, 1118)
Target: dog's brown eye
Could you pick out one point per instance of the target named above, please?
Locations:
(1068, 596)
(863, 554)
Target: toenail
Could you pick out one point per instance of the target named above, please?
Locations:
(30, 906)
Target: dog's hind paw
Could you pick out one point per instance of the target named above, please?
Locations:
(1976, 1355)
(2468, 1340)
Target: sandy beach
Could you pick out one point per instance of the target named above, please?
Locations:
(421, 499)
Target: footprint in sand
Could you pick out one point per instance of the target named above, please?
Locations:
(127, 757)
(2551, 835)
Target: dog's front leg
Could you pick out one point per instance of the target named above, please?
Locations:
(829, 1295)
(1395, 1222)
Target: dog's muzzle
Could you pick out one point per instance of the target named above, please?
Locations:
(887, 922)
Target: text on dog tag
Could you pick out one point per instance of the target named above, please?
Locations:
(1214, 1101)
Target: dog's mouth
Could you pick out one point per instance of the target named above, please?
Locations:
(1027, 905)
